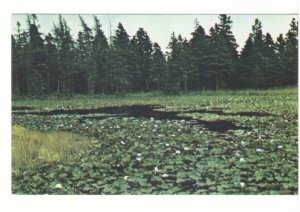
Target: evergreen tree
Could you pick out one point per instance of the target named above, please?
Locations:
(200, 58)
(271, 65)
(172, 75)
(37, 74)
(289, 75)
(229, 44)
(158, 69)
(221, 58)
(52, 67)
(184, 63)
(100, 55)
(20, 61)
(14, 67)
(143, 47)
(86, 61)
(246, 62)
(118, 75)
(66, 55)
(253, 60)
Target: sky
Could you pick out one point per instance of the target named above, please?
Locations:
(160, 27)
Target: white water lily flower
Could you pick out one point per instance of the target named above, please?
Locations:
(179, 130)
(238, 154)
(58, 186)
(155, 125)
(118, 127)
(151, 118)
(139, 136)
(139, 154)
(177, 152)
(122, 142)
(173, 135)
(280, 147)
(139, 159)
(242, 184)
(186, 148)
(259, 150)
(156, 170)
(125, 177)
(243, 143)
(242, 160)
(167, 144)
(165, 175)
(159, 135)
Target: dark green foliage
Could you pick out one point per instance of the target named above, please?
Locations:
(143, 49)
(118, 74)
(66, 56)
(56, 63)
(100, 55)
(289, 56)
(158, 68)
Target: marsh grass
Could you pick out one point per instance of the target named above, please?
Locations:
(30, 148)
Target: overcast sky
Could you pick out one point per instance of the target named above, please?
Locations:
(160, 27)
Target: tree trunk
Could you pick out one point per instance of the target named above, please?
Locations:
(217, 83)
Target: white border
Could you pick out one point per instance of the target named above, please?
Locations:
(125, 203)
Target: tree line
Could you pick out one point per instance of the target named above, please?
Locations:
(93, 64)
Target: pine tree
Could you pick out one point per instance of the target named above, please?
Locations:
(37, 74)
(271, 65)
(289, 74)
(246, 62)
(100, 55)
(52, 67)
(229, 43)
(171, 78)
(66, 55)
(118, 75)
(21, 61)
(158, 69)
(221, 58)
(86, 62)
(200, 58)
(253, 60)
(143, 47)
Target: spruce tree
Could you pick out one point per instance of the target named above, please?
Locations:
(289, 74)
(200, 58)
(52, 66)
(221, 58)
(100, 55)
(143, 48)
(118, 75)
(37, 74)
(271, 65)
(172, 75)
(66, 55)
(229, 43)
(158, 69)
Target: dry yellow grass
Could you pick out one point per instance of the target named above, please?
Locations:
(30, 148)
